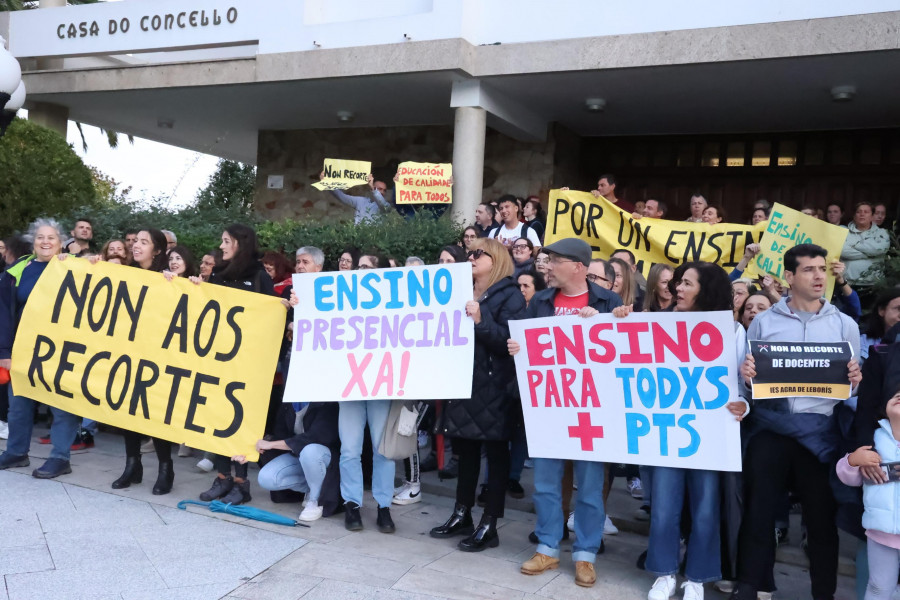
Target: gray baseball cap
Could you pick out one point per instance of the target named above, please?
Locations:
(577, 250)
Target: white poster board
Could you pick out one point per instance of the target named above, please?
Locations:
(398, 334)
(649, 389)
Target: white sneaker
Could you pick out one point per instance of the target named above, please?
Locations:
(400, 488)
(311, 512)
(635, 488)
(692, 590)
(570, 522)
(763, 595)
(4, 430)
(206, 465)
(725, 586)
(410, 494)
(663, 588)
(609, 528)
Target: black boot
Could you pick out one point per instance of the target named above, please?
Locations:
(459, 523)
(165, 479)
(239, 493)
(484, 536)
(385, 523)
(134, 473)
(352, 520)
(220, 487)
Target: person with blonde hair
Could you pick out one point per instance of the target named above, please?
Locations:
(487, 419)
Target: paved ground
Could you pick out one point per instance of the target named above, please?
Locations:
(77, 538)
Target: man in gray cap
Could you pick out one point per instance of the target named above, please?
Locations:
(571, 294)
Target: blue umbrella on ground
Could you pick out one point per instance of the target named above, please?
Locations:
(248, 512)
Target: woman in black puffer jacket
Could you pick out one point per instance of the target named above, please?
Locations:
(242, 270)
(487, 419)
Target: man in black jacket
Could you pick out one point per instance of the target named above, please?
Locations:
(571, 294)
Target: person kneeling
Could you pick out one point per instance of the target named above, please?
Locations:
(309, 433)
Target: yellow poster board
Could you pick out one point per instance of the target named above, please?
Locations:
(343, 174)
(188, 363)
(787, 228)
(607, 228)
(424, 183)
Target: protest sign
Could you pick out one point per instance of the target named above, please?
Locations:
(399, 334)
(787, 228)
(816, 369)
(649, 389)
(424, 183)
(188, 363)
(343, 174)
(606, 228)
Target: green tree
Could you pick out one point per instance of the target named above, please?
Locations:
(230, 187)
(40, 174)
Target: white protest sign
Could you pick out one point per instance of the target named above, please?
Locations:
(649, 389)
(399, 334)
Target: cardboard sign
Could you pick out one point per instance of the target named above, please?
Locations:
(424, 183)
(787, 228)
(607, 228)
(649, 389)
(814, 369)
(399, 334)
(343, 174)
(188, 363)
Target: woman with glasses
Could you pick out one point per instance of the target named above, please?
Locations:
(522, 251)
(349, 260)
(486, 420)
(470, 234)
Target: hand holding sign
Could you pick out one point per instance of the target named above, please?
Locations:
(343, 174)
(801, 369)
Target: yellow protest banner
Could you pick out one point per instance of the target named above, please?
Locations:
(183, 362)
(787, 228)
(424, 183)
(343, 174)
(607, 228)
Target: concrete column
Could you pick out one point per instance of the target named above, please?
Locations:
(468, 161)
(50, 64)
(53, 116)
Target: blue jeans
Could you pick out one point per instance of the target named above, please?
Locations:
(589, 513)
(301, 474)
(704, 559)
(352, 421)
(21, 424)
(646, 483)
(89, 426)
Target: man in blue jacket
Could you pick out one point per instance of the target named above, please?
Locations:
(793, 440)
(570, 294)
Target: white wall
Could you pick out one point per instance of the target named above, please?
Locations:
(301, 25)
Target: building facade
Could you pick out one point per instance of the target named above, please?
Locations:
(793, 102)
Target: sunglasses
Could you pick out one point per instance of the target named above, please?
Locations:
(476, 254)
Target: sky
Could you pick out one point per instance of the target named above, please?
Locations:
(151, 169)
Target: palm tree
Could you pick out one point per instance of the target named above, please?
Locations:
(11, 5)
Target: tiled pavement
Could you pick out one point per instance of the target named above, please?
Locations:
(77, 538)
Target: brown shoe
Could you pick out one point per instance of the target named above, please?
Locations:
(584, 573)
(539, 563)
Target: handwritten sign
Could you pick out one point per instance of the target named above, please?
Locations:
(399, 334)
(814, 369)
(787, 228)
(343, 174)
(169, 359)
(648, 389)
(607, 228)
(424, 183)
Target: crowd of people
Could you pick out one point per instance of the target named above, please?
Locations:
(711, 527)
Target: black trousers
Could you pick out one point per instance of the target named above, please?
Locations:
(133, 446)
(224, 465)
(772, 462)
(469, 452)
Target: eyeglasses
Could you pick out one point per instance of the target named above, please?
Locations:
(594, 278)
(476, 254)
(521, 247)
(345, 261)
